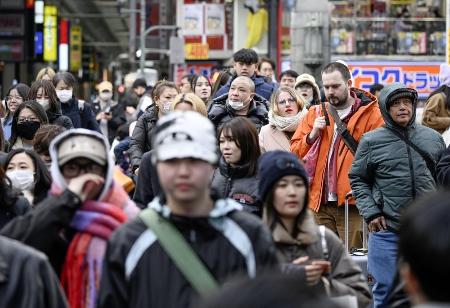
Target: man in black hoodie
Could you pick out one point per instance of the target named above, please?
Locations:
(138, 269)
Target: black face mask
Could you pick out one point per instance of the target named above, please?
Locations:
(27, 129)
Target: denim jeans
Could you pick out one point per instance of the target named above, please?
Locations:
(382, 264)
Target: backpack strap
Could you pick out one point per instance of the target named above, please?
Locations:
(181, 253)
(323, 242)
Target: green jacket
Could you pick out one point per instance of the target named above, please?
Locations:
(386, 173)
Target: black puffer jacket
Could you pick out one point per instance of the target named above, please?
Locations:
(59, 119)
(17, 206)
(219, 111)
(26, 278)
(137, 272)
(141, 141)
(233, 182)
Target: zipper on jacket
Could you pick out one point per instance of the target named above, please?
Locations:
(411, 167)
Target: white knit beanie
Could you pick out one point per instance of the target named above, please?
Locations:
(444, 74)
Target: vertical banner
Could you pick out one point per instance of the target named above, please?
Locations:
(63, 45)
(50, 33)
(75, 48)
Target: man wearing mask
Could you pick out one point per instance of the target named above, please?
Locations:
(108, 113)
(241, 100)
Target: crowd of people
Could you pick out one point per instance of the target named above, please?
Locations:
(237, 193)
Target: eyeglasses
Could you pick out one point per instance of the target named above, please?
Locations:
(14, 99)
(289, 100)
(29, 119)
(304, 86)
(74, 169)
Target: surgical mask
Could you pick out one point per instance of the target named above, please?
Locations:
(21, 179)
(45, 103)
(28, 129)
(236, 105)
(64, 95)
(105, 96)
(166, 107)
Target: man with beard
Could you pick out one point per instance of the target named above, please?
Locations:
(241, 100)
(327, 157)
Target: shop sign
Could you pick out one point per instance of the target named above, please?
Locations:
(196, 51)
(50, 33)
(422, 76)
(75, 48)
(11, 50)
(12, 24)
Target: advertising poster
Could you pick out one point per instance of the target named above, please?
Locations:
(50, 33)
(193, 19)
(215, 19)
(75, 48)
(411, 43)
(422, 76)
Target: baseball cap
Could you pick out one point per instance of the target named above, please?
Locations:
(185, 134)
(105, 85)
(82, 146)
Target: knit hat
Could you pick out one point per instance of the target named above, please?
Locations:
(140, 82)
(307, 78)
(185, 134)
(274, 165)
(444, 74)
(105, 86)
(402, 93)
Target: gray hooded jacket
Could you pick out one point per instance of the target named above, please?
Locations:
(387, 173)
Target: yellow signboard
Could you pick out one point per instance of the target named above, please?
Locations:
(196, 51)
(75, 48)
(50, 33)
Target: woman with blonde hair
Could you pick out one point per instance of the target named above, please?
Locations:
(47, 73)
(286, 110)
(189, 101)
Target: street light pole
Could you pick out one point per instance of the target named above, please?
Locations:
(142, 37)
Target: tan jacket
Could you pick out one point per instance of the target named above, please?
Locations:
(435, 114)
(271, 139)
(346, 277)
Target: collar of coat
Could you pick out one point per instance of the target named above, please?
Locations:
(307, 234)
(222, 207)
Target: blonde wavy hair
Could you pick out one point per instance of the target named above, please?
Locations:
(196, 102)
(274, 99)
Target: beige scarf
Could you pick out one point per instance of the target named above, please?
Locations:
(286, 124)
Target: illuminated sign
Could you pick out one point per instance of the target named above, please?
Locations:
(196, 51)
(50, 33)
(75, 48)
(421, 76)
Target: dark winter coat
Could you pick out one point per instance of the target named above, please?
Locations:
(141, 140)
(117, 111)
(51, 218)
(443, 169)
(233, 182)
(27, 279)
(57, 118)
(262, 88)
(387, 173)
(219, 111)
(147, 184)
(18, 206)
(81, 114)
(138, 273)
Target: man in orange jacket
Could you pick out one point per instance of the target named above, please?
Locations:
(330, 183)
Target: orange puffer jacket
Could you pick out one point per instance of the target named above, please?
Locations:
(365, 119)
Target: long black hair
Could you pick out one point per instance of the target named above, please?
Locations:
(442, 89)
(49, 89)
(42, 176)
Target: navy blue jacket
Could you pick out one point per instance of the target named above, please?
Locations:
(262, 88)
(81, 117)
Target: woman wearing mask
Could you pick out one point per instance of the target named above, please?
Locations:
(44, 93)
(12, 204)
(236, 176)
(286, 111)
(307, 88)
(163, 94)
(302, 246)
(16, 95)
(201, 87)
(28, 174)
(78, 111)
(27, 119)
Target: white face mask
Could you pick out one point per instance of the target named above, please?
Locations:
(166, 107)
(236, 105)
(64, 95)
(105, 96)
(21, 179)
(45, 103)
